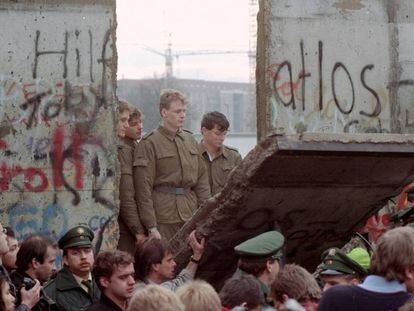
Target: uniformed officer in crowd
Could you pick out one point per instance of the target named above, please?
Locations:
(340, 268)
(260, 256)
(73, 289)
(131, 230)
(170, 177)
(219, 158)
(390, 281)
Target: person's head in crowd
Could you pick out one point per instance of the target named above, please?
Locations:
(259, 256)
(154, 259)
(199, 296)
(6, 298)
(9, 258)
(36, 257)
(340, 268)
(77, 250)
(133, 131)
(123, 117)
(214, 127)
(393, 257)
(173, 108)
(241, 290)
(295, 282)
(155, 298)
(4, 247)
(114, 274)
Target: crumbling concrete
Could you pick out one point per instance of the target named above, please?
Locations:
(58, 156)
(316, 188)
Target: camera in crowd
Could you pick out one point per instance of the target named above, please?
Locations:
(28, 283)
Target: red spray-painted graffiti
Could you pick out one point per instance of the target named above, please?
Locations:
(31, 174)
(58, 158)
(35, 179)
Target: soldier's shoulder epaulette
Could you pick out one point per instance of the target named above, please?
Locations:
(188, 131)
(147, 135)
(232, 148)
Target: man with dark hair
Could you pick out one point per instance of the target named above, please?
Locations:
(219, 158)
(114, 274)
(29, 297)
(154, 263)
(259, 256)
(170, 177)
(9, 258)
(35, 261)
(241, 290)
(73, 289)
(392, 268)
(131, 231)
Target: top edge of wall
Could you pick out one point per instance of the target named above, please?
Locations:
(30, 4)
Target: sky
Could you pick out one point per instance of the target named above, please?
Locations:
(190, 25)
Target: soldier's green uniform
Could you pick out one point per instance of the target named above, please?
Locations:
(65, 290)
(171, 179)
(129, 220)
(219, 168)
(265, 246)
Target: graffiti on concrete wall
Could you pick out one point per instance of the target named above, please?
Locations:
(334, 104)
(336, 68)
(57, 150)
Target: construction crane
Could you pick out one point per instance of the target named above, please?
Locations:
(169, 55)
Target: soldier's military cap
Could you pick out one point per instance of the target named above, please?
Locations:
(79, 236)
(265, 245)
(336, 262)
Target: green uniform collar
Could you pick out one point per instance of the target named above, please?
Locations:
(65, 280)
(171, 136)
(223, 152)
(128, 141)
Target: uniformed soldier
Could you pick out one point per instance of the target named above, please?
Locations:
(73, 288)
(260, 256)
(219, 159)
(170, 177)
(340, 268)
(131, 230)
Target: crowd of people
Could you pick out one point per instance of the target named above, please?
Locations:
(115, 280)
(164, 177)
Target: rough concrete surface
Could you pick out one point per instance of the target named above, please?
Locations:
(58, 157)
(316, 188)
(335, 66)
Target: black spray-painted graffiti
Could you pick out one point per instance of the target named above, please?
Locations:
(43, 100)
(287, 89)
(74, 158)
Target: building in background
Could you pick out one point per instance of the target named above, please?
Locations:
(230, 98)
